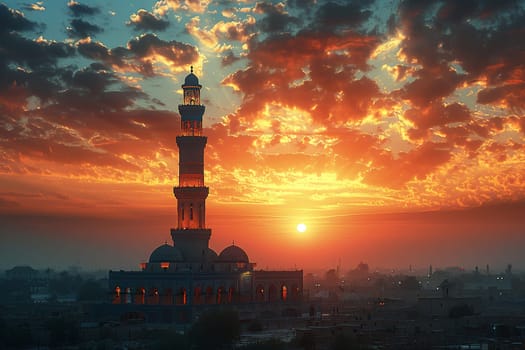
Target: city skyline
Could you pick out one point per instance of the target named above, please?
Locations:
(393, 130)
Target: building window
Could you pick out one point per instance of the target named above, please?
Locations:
(117, 299)
(191, 211)
(220, 291)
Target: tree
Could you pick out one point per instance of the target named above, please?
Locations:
(215, 329)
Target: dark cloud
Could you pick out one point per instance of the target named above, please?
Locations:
(99, 52)
(13, 20)
(229, 58)
(479, 36)
(460, 11)
(28, 67)
(32, 53)
(301, 4)
(436, 115)
(93, 79)
(79, 10)
(140, 53)
(176, 52)
(430, 86)
(146, 21)
(276, 20)
(349, 15)
(81, 29)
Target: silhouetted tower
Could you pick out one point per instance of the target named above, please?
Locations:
(191, 233)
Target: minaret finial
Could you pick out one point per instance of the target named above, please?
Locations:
(191, 69)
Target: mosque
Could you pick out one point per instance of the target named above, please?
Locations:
(186, 277)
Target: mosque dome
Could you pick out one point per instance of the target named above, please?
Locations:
(233, 254)
(165, 253)
(191, 79)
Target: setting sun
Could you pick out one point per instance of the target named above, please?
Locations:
(301, 228)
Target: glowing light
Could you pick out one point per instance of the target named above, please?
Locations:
(301, 228)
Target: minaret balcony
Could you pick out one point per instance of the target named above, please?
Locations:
(191, 112)
(191, 192)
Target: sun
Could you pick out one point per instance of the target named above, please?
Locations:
(301, 228)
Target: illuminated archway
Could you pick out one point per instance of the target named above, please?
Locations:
(220, 296)
(116, 295)
(284, 292)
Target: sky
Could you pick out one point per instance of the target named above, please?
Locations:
(394, 130)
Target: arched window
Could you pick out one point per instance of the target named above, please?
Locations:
(184, 296)
(116, 296)
(197, 295)
(284, 292)
(220, 292)
(231, 293)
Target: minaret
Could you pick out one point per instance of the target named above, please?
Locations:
(191, 235)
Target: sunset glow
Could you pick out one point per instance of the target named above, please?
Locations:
(390, 127)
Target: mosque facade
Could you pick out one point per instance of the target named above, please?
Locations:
(187, 276)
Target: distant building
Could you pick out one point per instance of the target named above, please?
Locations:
(24, 273)
(188, 276)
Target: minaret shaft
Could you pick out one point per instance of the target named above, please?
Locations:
(191, 234)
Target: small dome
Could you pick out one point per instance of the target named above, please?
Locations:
(165, 253)
(191, 80)
(233, 254)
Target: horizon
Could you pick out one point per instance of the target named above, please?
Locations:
(393, 131)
